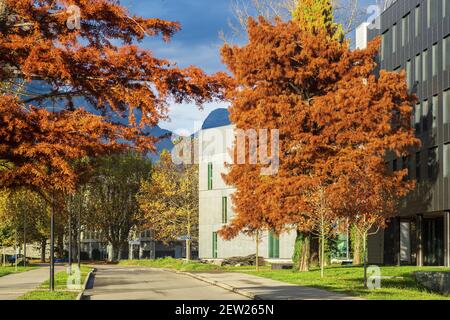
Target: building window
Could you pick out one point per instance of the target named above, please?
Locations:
(210, 176)
(425, 66)
(435, 112)
(446, 106)
(394, 165)
(417, 66)
(432, 163)
(417, 117)
(405, 30)
(447, 160)
(418, 165)
(425, 115)
(214, 245)
(274, 246)
(417, 21)
(435, 60)
(406, 166)
(434, 15)
(394, 38)
(432, 12)
(224, 209)
(409, 74)
(446, 52)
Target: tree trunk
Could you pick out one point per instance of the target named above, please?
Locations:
(43, 249)
(357, 246)
(322, 255)
(188, 240)
(111, 257)
(60, 244)
(302, 251)
(188, 250)
(257, 251)
(365, 259)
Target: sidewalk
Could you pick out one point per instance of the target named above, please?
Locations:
(15, 285)
(266, 289)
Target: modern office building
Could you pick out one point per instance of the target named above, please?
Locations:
(415, 36)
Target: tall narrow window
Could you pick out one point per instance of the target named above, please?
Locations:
(434, 11)
(394, 165)
(418, 118)
(435, 59)
(446, 163)
(214, 245)
(418, 165)
(417, 22)
(432, 163)
(444, 8)
(210, 176)
(224, 209)
(394, 38)
(446, 106)
(406, 165)
(435, 112)
(425, 66)
(425, 115)
(417, 68)
(405, 30)
(409, 74)
(429, 5)
(446, 52)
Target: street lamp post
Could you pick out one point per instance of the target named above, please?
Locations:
(79, 235)
(24, 239)
(52, 244)
(70, 242)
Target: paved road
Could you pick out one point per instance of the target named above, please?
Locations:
(15, 285)
(134, 283)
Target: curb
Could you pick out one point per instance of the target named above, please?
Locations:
(217, 284)
(86, 281)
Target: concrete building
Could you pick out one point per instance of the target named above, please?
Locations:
(215, 207)
(141, 245)
(416, 37)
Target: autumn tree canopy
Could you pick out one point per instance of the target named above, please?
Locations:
(99, 67)
(336, 120)
(169, 201)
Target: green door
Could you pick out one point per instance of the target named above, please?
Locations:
(214, 245)
(274, 246)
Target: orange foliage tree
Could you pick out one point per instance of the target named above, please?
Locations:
(84, 53)
(334, 117)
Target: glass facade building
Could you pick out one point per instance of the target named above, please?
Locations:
(416, 37)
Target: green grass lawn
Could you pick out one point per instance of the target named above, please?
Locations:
(8, 270)
(47, 295)
(171, 263)
(61, 291)
(342, 279)
(349, 280)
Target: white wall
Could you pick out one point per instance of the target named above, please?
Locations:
(213, 145)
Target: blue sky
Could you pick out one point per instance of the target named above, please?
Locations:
(197, 44)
